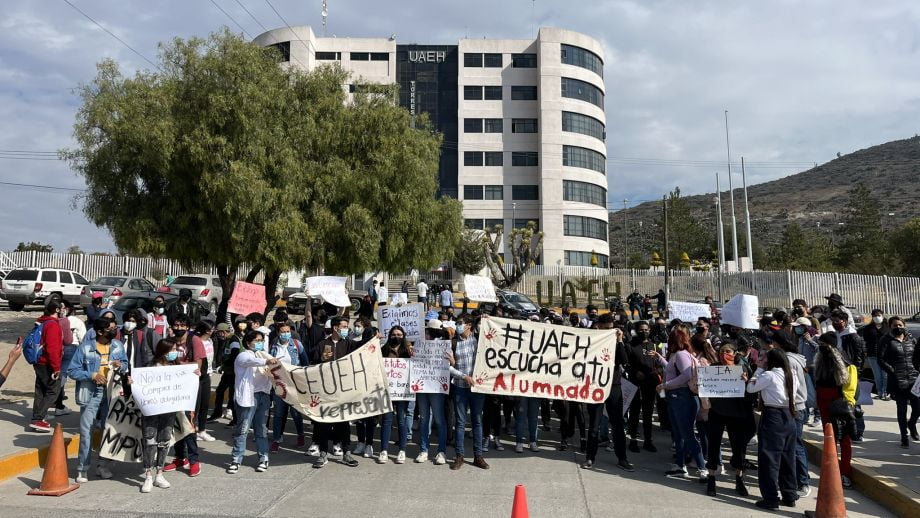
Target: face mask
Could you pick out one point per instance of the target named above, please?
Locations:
(700, 330)
(160, 311)
(343, 333)
(285, 337)
(878, 320)
(642, 335)
(171, 356)
(130, 326)
(592, 317)
(258, 346)
(359, 330)
(800, 330)
(818, 315)
(461, 328)
(839, 326)
(728, 359)
(898, 331)
(179, 333)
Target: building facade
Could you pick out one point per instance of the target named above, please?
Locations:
(523, 124)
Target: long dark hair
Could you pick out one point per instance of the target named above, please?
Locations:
(776, 359)
(164, 346)
(702, 347)
(393, 345)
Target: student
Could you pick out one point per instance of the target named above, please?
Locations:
(447, 298)
(732, 414)
(834, 379)
(776, 385)
(71, 340)
(422, 289)
(48, 367)
(191, 350)
(203, 332)
(15, 353)
(157, 323)
(797, 362)
(286, 349)
(899, 356)
(642, 371)
(157, 429)
(251, 395)
(228, 375)
(461, 372)
(396, 346)
(331, 349)
(431, 407)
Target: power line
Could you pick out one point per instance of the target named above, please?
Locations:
(88, 17)
(231, 19)
(251, 15)
(35, 186)
(293, 36)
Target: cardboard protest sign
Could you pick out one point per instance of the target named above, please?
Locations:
(411, 317)
(429, 370)
(629, 393)
(479, 288)
(158, 390)
(688, 311)
(247, 298)
(351, 387)
(398, 379)
(524, 358)
(123, 435)
(741, 311)
(718, 381)
(331, 289)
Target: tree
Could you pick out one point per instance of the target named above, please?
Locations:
(864, 245)
(686, 231)
(33, 246)
(74, 249)
(525, 246)
(223, 157)
(801, 249)
(907, 246)
(469, 256)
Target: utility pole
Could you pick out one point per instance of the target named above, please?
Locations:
(731, 195)
(747, 216)
(325, 14)
(720, 238)
(667, 249)
(625, 237)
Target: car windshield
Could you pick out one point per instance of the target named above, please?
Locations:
(110, 281)
(22, 275)
(189, 281)
(517, 298)
(126, 303)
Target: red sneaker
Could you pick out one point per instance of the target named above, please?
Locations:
(176, 464)
(194, 469)
(274, 447)
(40, 426)
(301, 441)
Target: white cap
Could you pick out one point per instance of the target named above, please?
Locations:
(450, 324)
(328, 324)
(802, 321)
(434, 324)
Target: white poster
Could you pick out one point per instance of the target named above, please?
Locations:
(479, 288)
(398, 299)
(741, 311)
(398, 379)
(720, 381)
(331, 289)
(629, 393)
(524, 358)
(158, 390)
(688, 311)
(429, 371)
(123, 436)
(411, 317)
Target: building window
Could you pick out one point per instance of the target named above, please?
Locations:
(524, 93)
(472, 93)
(368, 88)
(574, 156)
(494, 158)
(472, 158)
(284, 48)
(380, 56)
(576, 89)
(523, 125)
(360, 56)
(490, 224)
(472, 192)
(472, 125)
(492, 60)
(328, 56)
(574, 258)
(583, 226)
(525, 192)
(472, 60)
(524, 61)
(474, 224)
(522, 223)
(579, 123)
(572, 55)
(524, 158)
(584, 192)
(493, 125)
(494, 192)
(492, 93)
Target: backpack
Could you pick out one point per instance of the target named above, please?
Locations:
(694, 378)
(32, 346)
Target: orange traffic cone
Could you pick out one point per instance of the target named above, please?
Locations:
(55, 481)
(830, 491)
(519, 507)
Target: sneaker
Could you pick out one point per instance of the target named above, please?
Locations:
(588, 464)
(440, 459)
(534, 447)
(275, 446)
(301, 441)
(359, 449)
(206, 437)
(320, 461)
(721, 470)
(625, 465)
(498, 445)
(313, 450)
(804, 491)
(703, 474)
(914, 436)
(519, 448)
(382, 457)
(858, 439)
(148, 484)
(611, 448)
(263, 466)
(770, 506)
(649, 446)
(212, 418)
(904, 443)
(369, 452)
(787, 503)
(61, 411)
(422, 457)
(228, 414)
(634, 446)
(349, 461)
(563, 445)
(336, 450)
(81, 478)
(847, 483)
(194, 469)
(234, 468)
(103, 472)
(41, 426)
(160, 481)
(176, 464)
(401, 457)
(676, 470)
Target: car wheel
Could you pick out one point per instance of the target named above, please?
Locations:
(355, 305)
(54, 297)
(15, 306)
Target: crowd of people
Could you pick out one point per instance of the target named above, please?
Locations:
(801, 368)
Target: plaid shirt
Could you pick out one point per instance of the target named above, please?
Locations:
(465, 357)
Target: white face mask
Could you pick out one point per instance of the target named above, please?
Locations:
(130, 326)
(160, 311)
(878, 319)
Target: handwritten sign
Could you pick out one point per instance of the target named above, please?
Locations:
(247, 298)
(430, 372)
(688, 311)
(479, 288)
(741, 311)
(719, 381)
(411, 317)
(158, 390)
(398, 379)
(524, 358)
(353, 387)
(331, 289)
(629, 393)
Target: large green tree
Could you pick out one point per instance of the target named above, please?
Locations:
(802, 249)
(906, 243)
(864, 245)
(688, 231)
(33, 246)
(222, 157)
(469, 256)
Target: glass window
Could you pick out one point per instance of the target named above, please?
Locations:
(525, 192)
(110, 281)
(190, 281)
(574, 156)
(524, 60)
(579, 123)
(574, 258)
(380, 56)
(475, 224)
(328, 56)
(572, 55)
(584, 192)
(524, 93)
(66, 278)
(522, 223)
(79, 279)
(494, 192)
(134, 285)
(49, 276)
(494, 158)
(524, 158)
(492, 60)
(576, 89)
(472, 158)
(523, 125)
(472, 192)
(360, 56)
(583, 226)
(494, 126)
(472, 93)
(490, 224)
(472, 60)
(22, 275)
(472, 125)
(492, 93)
(284, 48)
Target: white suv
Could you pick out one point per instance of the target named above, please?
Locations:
(24, 286)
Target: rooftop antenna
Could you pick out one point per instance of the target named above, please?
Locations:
(533, 16)
(325, 14)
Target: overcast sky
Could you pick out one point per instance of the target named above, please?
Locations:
(802, 80)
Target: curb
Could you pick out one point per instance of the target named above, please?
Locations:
(31, 458)
(883, 490)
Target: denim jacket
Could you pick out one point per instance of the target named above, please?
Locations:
(85, 365)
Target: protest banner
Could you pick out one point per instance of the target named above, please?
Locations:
(398, 379)
(331, 289)
(629, 393)
(429, 370)
(411, 317)
(719, 381)
(688, 311)
(479, 288)
(158, 390)
(349, 388)
(524, 358)
(741, 311)
(247, 298)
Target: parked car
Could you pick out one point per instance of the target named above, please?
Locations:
(913, 325)
(3, 274)
(205, 288)
(144, 300)
(25, 286)
(296, 302)
(113, 287)
(511, 302)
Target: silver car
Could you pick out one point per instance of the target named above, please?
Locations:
(113, 287)
(205, 288)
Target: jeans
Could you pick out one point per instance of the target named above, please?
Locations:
(46, 391)
(903, 399)
(702, 435)
(683, 407)
(257, 416)
(431, 406)
(279, 420)
(157, 430)
(776, 455)
(402, 426)
(69, 351)
(801, 457)
(187, 447)
(528, 410)
(92, 415)
(465, 399)
(880, 377)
